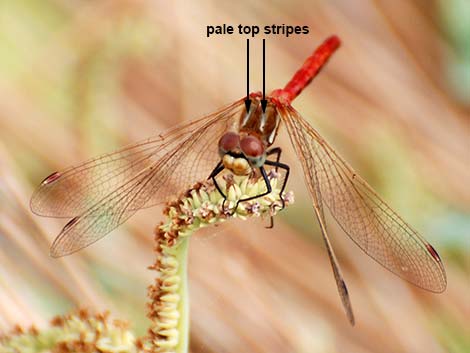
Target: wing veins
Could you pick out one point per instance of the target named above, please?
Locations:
(399, 247)
(319, 213)
(125, 199)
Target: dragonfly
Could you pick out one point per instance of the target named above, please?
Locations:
(102, 193)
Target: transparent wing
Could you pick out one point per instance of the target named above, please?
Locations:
(189, 154)
(105, 215)
(73, 191)
(361, 213)
(314, 190)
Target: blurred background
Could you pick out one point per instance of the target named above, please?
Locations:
(80, 78)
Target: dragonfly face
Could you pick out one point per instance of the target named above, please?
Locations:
(230, 152)
(240, 153)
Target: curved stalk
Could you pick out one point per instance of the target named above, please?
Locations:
(199, 207)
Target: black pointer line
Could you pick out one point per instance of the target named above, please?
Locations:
(247, 99)
(264, 102)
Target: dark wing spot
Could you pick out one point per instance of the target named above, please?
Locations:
(51, 178)
(433, 252)
(70, 224)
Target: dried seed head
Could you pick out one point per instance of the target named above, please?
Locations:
(203, 204)
(78, 332)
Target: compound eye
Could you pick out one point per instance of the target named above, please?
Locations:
(228, 142)
(253, 149)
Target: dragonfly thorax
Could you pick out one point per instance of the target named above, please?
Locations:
(262, 123)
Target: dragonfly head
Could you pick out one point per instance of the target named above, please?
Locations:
(240, 154)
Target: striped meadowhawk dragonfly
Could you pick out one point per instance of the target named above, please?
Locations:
(102, 193)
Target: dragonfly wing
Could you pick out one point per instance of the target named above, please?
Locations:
(189, 160)
(193, 159)
(104, 216)
(319, 213)
(361, 213)
(73, 191)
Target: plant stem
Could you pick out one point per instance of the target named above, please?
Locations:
(183, 325)
(201, 206)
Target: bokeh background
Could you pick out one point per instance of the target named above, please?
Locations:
(80, 78)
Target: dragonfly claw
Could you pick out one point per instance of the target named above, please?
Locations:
(227, 210)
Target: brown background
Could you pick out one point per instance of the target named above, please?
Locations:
(79, 78)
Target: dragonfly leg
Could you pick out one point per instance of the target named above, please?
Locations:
(268, 189)
(217, 170)
(284, 183)
(277, 151)
(271, 223)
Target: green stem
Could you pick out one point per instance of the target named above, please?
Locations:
(183, 307)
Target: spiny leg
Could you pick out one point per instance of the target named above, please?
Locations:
(277, 151)
(217, 170)
(268, 190)
(220, 167)
(284, 183)
(271, 223)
